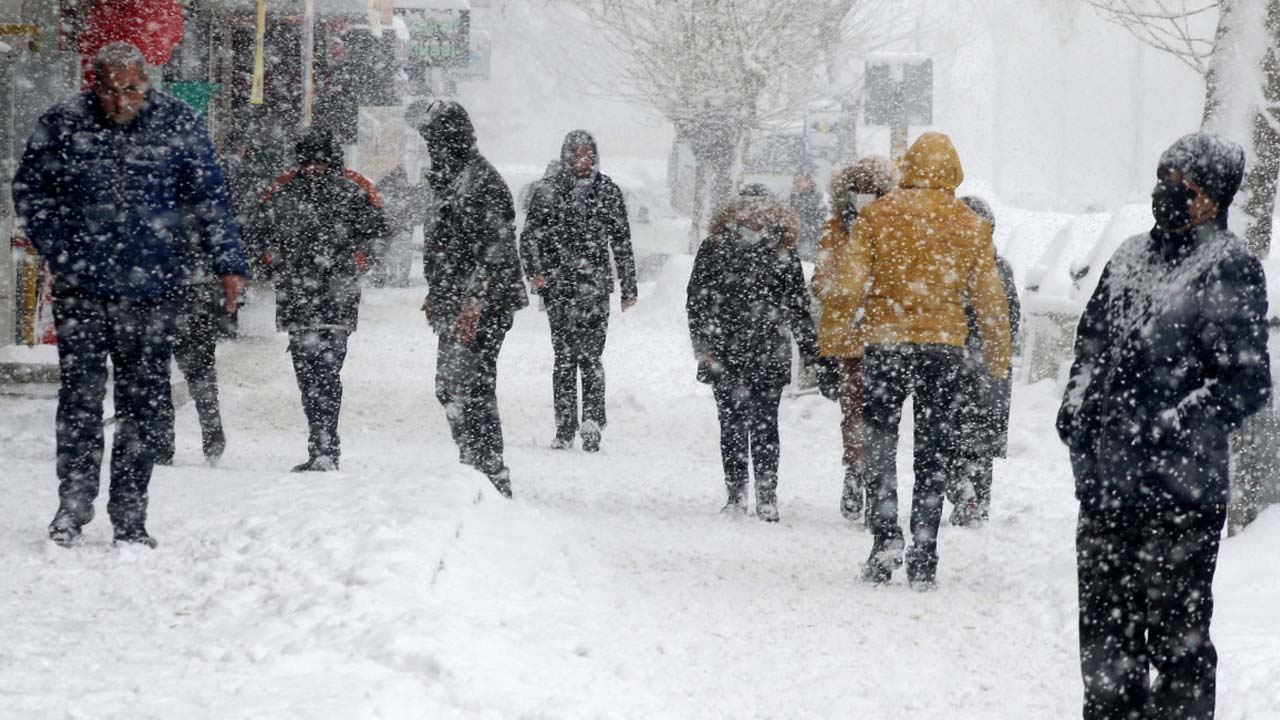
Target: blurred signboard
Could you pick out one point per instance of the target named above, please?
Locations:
(438, 38)
(899, 90)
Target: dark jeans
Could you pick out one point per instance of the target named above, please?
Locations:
(928, 374)
(137, 336)
(578, 330)
(748, 430)
(194, 347)
(467, 387)
(1146, 598)
(317, 361)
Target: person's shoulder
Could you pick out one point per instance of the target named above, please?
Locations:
(71, 111)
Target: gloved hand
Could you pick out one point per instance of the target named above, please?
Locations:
(828, 379)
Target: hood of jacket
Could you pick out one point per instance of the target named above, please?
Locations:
(773, 216)
(450, 138)
(932, 163)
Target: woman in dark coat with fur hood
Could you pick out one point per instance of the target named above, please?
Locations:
(746, 300)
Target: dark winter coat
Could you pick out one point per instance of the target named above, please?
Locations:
(107, 205)
(1170, 357)
(811, 214)
(405, 204)
(315, 222)
(983, 401)
(746, 302)
(470, 255)
(571, 227)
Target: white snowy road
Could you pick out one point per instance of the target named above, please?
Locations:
(403, 587)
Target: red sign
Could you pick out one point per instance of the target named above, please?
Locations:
(154, 26)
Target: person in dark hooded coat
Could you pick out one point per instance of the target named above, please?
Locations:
(321, 225)
(747, 299)
(474, 282)
(576, 219)
(981, 404)
(1170, 358)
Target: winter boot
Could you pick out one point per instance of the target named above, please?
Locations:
(562, 443)
(319, 463)
(502, 482)
(133, 536)
(590, 436)
(214, 442)
(767, 498)
(966, 514)
(886, 556)
(65, 528)
(922, 569)
(736, 505)
(851, 497)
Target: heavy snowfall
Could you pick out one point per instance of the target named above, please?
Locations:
(404, 584)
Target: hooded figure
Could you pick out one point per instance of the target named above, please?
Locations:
(1170, 358)
(472, 267)
(853, 188)
(914, 261)
(747, 300)
(982, 405)
(322, 225)
(576, 220)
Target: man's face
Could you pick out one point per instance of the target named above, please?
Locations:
(583, 161)
(121, 91)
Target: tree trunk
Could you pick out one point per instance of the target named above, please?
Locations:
(1261, 181)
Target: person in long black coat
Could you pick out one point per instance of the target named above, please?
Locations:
(747, 299)
(577, 220)
(981, 405)
(1170, 358)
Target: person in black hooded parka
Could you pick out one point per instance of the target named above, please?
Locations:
(321, 225)
(747, 299)
(575, 219)
(474, 282)
(1170, 357)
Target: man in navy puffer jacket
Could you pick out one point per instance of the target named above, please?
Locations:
(111, 182)
(1170, 358)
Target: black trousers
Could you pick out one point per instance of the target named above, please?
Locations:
(467, 387)
(928, 374)
(1146, 599)
(194, 347)
(578, 330)
(137, 336)
(317, 362)
(748, 431)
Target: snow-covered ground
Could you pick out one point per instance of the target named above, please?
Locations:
(404, 587)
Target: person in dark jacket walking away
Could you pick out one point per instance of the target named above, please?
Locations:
(839, 336)
(321, 225)
(981, 404)
(108, 180)
(406, 204)
(201, 317)
(474, 285)
(914, 260)
(746, 301)
(575, 220)
(1170, 358)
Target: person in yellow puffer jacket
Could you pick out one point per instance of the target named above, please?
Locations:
(839, 337)
(913, 260)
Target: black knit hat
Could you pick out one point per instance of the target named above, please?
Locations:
(1210, 161)
(318, 147)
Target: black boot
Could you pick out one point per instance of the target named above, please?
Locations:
(502, 482)
(767, 498)
(319, 463)
(65, 528)
(736, 505)
(886, 556)
(851, 497)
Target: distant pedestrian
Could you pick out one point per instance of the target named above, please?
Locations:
(811, 213)
(577, 223)
(981, 405)
(1170, 358)
(474, 285)
(915, 259)
(202, 314)
(108, 183)
(839, 330)
(406, 204)
(746, 301)
(321, 224)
